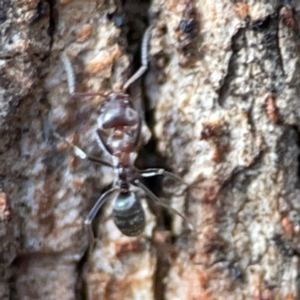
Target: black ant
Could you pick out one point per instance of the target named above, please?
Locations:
(119, 133)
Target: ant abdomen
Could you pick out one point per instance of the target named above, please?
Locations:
(128, 213)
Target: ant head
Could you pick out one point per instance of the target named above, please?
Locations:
(119, 126)
(117, 111)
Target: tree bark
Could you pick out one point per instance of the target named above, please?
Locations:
(223, 82)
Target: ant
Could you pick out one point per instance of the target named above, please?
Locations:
(118, 133)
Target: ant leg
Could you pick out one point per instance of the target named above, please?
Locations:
(81, 154)
(144, 60)
(157, 171)
(157, 200)
(92, 214)
(71, 79)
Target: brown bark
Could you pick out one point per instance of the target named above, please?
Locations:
(223, 80)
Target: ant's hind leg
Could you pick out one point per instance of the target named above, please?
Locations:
(162, 172)
(158, 201)
(159, 171)
(92, 214)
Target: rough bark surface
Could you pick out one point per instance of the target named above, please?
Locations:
(223, 82)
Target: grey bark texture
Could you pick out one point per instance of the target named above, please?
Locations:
(224, 84)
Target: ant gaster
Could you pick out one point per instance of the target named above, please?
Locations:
(119, 133)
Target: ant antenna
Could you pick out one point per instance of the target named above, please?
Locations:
(70, 73)
(71, 79)
(144, 60)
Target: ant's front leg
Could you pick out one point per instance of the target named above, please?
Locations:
(83, 155)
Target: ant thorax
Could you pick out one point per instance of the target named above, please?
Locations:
(126, 175)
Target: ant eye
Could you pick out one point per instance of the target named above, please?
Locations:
(131, 116)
